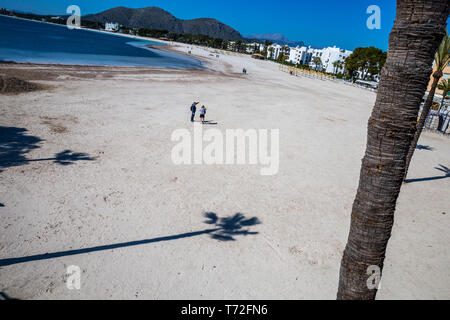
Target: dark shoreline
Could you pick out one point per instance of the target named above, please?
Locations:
(169, 48)
(96, 66)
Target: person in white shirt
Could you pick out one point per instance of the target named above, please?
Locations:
(202, 114)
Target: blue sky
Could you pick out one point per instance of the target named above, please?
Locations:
(317, 23)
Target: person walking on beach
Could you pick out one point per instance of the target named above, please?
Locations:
(193, 110)
(202, 114)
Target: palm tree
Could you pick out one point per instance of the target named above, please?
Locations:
(417, 32)
(317, 61)
(271, 50)
(441, 59)
(445, 87)
(337, 65)
(239, 45)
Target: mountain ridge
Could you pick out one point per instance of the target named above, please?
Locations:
(157, 18)
(276, 38)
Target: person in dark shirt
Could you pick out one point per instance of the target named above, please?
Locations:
(193, 110)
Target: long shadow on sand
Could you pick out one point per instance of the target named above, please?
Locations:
(207, 122)
(210, 122)
(15, 143)
(442, 168)
(225, 229)
(4, 296)
(423, 147)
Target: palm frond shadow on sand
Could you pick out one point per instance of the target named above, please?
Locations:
(15, 143)
(230, 226)
(442, 168)
(225, 229)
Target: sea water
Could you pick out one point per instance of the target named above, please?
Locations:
(37, 42)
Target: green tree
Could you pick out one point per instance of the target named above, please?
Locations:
(441, 59)
(225, 44)
(417, 32)
(317, 62)
(238, 46)
(173, 36)
(444, 85)
(217, 43)
(366, 60)
(268, 43)
(337, 65)
(283, 54)
(271, 51)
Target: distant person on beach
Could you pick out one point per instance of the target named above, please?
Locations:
(193, 110)
(244, 71)
(202, 114)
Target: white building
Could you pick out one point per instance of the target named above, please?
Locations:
(253, 47)
(110, 26)
(331, 55)
(273, 51)
(328, 57)
(286, 50)
(300, 55)
(231, 45)
(315, 53)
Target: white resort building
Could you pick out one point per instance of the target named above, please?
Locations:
(300, 55)
(255, 46)
(328, 57)
(333, 59)
(110, 26)
(315, 53)
(273, 51)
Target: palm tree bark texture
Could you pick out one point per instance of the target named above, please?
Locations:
(418, 29)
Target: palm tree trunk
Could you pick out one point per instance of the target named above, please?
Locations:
(444, 94)
(421, 123)
(417, 33)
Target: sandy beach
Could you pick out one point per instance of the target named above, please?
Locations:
(94, 186)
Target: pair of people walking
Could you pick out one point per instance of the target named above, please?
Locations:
(194, 110)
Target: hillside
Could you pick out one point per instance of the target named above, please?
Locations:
(157, 18)
(276, 38)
